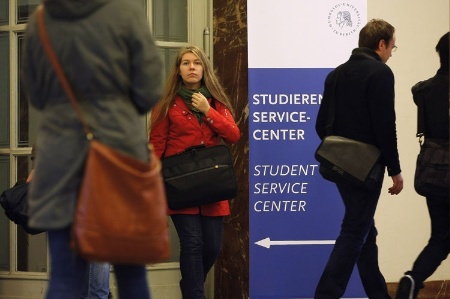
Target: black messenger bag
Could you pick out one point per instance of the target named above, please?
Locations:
(199, 175)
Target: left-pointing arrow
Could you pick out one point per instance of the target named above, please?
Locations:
(267, 242)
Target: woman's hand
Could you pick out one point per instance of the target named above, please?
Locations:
(30, 176)
(200, 102)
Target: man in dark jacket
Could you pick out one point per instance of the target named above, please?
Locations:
(364, 111)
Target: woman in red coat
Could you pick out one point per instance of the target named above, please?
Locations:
(194, 110)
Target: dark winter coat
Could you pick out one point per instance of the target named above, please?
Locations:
(434, 94)
(112, 63)
(364, 101)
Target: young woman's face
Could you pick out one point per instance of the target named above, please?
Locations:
(191, 71)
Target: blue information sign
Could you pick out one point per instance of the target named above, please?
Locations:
(295, 214)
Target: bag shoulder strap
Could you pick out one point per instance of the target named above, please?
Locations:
(329, 129)
(56, 65)
(420, 118)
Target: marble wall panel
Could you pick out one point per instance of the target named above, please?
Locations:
(230, 61)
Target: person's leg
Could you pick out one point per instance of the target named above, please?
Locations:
(189, 229)
(438, 245)
(132, 281)
(360, 206)
(96, 283)
(67, 269)
(369, 271)
(86, 280)
(212, 241)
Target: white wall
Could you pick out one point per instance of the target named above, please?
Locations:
(402, 221)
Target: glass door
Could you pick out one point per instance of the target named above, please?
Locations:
(23, 257)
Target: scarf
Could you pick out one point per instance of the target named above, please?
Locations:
(186, 95)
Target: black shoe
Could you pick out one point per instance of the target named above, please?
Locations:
(406, 288)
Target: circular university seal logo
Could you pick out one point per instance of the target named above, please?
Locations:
(344, 19)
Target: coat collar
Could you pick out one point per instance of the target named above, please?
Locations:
(365, 53)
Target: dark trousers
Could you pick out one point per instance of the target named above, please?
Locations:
(356, 244)
(438, 246)
(200, 244)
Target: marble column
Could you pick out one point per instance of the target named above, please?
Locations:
(230, 61)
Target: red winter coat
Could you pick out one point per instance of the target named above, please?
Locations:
(180, 129)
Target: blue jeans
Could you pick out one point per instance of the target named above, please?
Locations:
(438, 246)
(97, 281)
(200, 245)
(68, 272)
(356, 245)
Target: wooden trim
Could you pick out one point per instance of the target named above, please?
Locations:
(439, 289)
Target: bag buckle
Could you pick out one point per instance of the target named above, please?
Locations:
(421, 137)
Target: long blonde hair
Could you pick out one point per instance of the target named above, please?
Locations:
(174, 82)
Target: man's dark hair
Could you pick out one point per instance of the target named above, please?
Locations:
(442, 48)
(374, 31)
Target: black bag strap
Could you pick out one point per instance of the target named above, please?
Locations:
(420, 120)
(40, 19)
(329, 129)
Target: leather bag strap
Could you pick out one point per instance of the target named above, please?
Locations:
(40, 19)
(329, 129)
(420, 120)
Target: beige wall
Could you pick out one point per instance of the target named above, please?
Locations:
(402, 220)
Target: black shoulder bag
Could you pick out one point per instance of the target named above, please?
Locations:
(344, 160)
(14, 202)
(432, 167)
